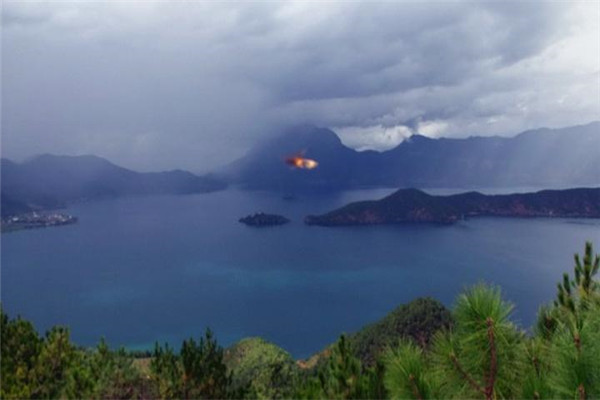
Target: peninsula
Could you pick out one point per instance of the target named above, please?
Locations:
(412, 205)
(34, 219)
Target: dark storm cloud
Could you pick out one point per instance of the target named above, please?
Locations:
(385, 48)
(192, 85)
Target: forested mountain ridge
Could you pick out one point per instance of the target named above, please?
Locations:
(412, 205)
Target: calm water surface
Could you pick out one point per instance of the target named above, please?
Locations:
(137, 270)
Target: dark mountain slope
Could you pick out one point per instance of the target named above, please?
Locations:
(49, 181)
(9, 206)
(541, 157)
(544, 157)
(418, 320)
(256, 361)
(264, 167)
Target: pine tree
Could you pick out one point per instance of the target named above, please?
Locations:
(581, 291)
(342, 377)
(574, 340)
(408, 374)
(197, 373)
(166, 372)
(204, 372)
(20, 348)
(55, 359)
(374, 386)
(535, 369)
(574, 356)
(481, 355)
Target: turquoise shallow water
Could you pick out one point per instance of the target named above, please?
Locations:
(163, 268)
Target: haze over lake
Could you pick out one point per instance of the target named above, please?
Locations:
(140, 269)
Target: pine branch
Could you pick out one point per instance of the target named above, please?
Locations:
(577, 341)
(581, 391)
(465, 375)
(536, 365)
(415, 389)
(489, 390)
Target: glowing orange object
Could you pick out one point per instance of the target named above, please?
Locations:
(301, 162)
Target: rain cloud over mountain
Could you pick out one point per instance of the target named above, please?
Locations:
(164, 85)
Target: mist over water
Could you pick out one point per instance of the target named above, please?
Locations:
(136, 270)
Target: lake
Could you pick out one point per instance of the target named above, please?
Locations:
(136, 270)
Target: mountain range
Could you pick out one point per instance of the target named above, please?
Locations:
(50, 181)
(540, 158)
(565, 157)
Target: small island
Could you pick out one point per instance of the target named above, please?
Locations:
(415, 206)
(262, 219)
(34, 219)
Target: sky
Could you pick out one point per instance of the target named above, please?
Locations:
(193, 85)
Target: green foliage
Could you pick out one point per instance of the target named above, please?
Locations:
(166, 372)
(374, 387)
(480, 356)
(308, 387)
(51, 367)
(342, 376)
(101, 373)
(33, 367)
(54, 360)
(204, 372)
(582, 291)
(584, 274)
(197, 373)
(485, 356)
(575, 357)
(574, 341)
(546, 322)
(417, 320)
(407, 374)
(262, 368)
(536, 366)
(20, 348)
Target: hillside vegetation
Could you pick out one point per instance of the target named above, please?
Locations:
(262, 368)
(412, 205)
(420, 350)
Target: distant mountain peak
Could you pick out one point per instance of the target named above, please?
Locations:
(83, 160)
(417, 138)
(311, 134)
(593, 126)
(409, 192)
(558, 157)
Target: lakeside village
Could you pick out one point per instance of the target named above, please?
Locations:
(35, 220)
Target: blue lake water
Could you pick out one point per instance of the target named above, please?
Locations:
(136, 270)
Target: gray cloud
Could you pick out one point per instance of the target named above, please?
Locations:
(193, 85)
